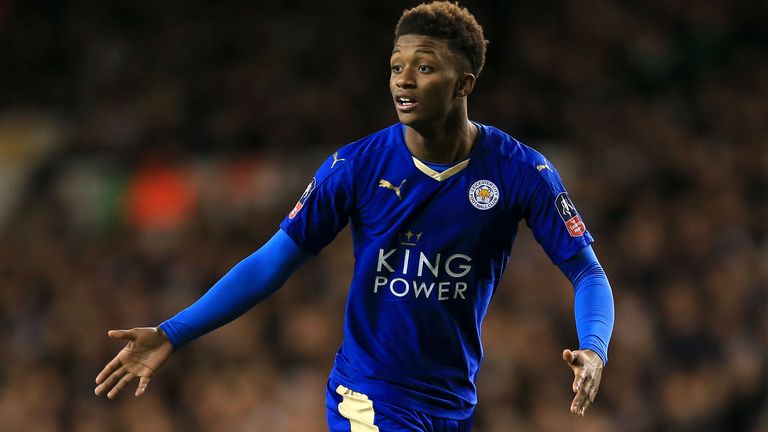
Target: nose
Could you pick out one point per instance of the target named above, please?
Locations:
(405, 79)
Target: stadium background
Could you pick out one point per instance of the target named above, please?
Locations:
(146, 147)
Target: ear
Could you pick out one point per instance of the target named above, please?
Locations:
(465, 84)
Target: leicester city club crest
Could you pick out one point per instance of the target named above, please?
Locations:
(483, 194)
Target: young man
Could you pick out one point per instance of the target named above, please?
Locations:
(434, 202)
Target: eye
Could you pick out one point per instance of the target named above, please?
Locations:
(424, 68)
(396, 68)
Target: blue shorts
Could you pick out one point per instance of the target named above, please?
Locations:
(350, 411)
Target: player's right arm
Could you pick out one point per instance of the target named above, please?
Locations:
(322, 211)
(249, 282)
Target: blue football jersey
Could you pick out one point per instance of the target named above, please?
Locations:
(430, 248)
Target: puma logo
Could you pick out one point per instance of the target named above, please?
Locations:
(336, 159)
(543, 166)
(385, 184)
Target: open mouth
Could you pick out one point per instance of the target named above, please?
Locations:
(405, 103)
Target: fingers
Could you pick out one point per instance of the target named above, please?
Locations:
(589, 384)
(115, 376)
(107, 381)
(593, 391)
(580, 407)
(115, 364)
(582, 399)
(111, 367)
(578, 380)
(570, 357)
(580, 403)
(143, 383)
(120, 384)
(122, 334)
(585, 383)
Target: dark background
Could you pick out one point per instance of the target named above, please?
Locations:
(146, 147)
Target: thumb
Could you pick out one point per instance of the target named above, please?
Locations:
(570, 357)
(122, 334)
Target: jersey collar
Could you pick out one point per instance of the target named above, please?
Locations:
(450, 172)
(440, 176)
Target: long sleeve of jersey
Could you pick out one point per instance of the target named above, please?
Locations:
(593, 301)
(248, 283)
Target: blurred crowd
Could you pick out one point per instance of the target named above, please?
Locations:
(147, 147)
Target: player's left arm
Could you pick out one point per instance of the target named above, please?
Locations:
(558, 227)
(594, 313)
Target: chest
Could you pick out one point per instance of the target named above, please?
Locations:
(471, 205)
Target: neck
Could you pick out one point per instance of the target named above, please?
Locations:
(445, 143)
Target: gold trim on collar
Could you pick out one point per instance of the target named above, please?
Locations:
(440, 176)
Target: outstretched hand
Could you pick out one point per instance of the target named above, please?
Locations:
(148, 348)
(587, 369)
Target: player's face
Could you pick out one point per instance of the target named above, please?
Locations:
(424, 79)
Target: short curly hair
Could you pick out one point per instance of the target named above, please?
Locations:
(448, 21)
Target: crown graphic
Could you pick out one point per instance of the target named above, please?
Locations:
(409, 238)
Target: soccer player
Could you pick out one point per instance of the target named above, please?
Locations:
(434, 203)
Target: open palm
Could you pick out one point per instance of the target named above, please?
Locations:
(147, 349)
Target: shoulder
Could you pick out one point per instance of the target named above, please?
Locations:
(365, 148)
(372, 144)
(514, 154)
(356, 155)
